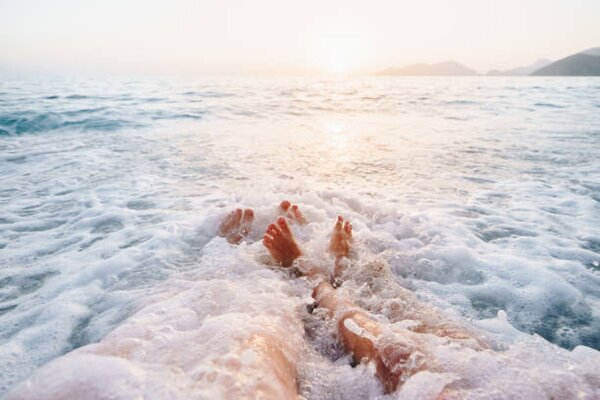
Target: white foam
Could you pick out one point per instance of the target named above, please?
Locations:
(491, 218)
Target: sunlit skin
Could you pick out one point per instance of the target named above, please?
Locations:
(358, 331)
(236, 226)
(271, 358)
(341, 237)
(292, 211)
(283, 247)
(281, 244)
(279, 239)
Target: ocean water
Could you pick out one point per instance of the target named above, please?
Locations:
(481, 194)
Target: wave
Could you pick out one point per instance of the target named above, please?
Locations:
(98, 119)
(208, 94)
(548, 105)
(24, 123)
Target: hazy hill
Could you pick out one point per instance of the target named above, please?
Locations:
(444, 68)
(586, 63)
(521, 71)
(592, 52)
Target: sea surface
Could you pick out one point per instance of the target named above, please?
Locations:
(481, 194)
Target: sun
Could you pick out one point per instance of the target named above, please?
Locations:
(339, 57)
(338, 62)
(341, 51)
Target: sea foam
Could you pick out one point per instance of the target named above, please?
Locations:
(487, 211)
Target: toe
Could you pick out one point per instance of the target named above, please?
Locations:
(348, 228)
(298, 215)
(226, 224)
(230, 216)
(237, 218)
(268, 241)
(273, 230)
(283, 225)
(285, 205)
(339, 222)
(248, 215)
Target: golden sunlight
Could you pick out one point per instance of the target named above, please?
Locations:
(341, 50)
(337, 136)
(338, 60)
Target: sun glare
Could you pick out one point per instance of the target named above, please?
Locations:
(339, 62)
(337, 135)
(341, 50)
(334, 128)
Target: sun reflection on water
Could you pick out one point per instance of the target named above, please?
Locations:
(338, 136)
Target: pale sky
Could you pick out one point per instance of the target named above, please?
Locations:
(273, 36)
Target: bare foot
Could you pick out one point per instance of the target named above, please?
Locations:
(237, 225)
(280, 242)
(341, 237)
(292, 212)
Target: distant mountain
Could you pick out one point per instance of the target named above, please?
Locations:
(586, 63)
(521, 71)
(595, 51)
(444, 68)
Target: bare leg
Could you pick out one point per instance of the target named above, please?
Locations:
(292, 212)
(399, 303)
(185, 353)
(280, 242)
(237, 225)
(264, 368)
(359, 334)
(270, 360)
(340, 245)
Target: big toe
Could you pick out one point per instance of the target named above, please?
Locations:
(285, 205)
(339, 223)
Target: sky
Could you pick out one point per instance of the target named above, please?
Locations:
(221, 37)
